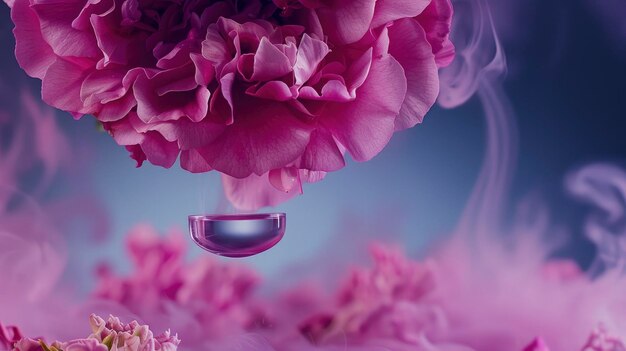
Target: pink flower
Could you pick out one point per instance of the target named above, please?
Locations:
(599, 340)
(199, 299)
(8, 337)
(272, 90)
(110, 335)
(388, 301)
(126, 337)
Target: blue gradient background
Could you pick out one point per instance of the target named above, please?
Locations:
(566, 84)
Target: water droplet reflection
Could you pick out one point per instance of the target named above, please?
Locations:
(239, 235)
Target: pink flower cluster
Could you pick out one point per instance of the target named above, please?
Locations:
(110, 335)
(269, 93)
(208, 297)
(386, 301)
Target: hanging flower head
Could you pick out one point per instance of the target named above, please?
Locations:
(269, 93)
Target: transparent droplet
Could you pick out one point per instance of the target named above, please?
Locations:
(237, 235)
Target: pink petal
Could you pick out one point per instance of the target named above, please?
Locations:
(192, 161)
(436, 21)
(269, 62)
(118, 109)
(253, 192)
(346, 21)
(179, 55)
(159, 151)
(226, 89)
(264, 136)
(102, 86)
(358, 70)
(420, 70)
(136, 154)
(214, 49)
(205, 72)
(537, 345)
(32, 52)
(322, 153)
(92, 7)
(62, 84)
(333, 90)
(55, 18)
(366, 125)
(274, 90)
(188, 134)
(391, 10)
(285, 179)
(170, 95)
(124, 134)
(118, 49)
(312, 176)
(310, 53)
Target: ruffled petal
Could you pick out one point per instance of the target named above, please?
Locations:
(420, 70)
(253, 192)
(171, 95)
(33, 53)
(265, 136)
(366, 125)
(346, 21)
(62, 84)
(437, 21)
(391, 10)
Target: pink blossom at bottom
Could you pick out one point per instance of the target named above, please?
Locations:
(110, 335)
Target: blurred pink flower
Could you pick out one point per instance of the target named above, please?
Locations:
(200, 298)
(599, 340)
(8, 337)
(110, 335)
(387, 301)
(27, 344)
(129, 337)
(278, 90)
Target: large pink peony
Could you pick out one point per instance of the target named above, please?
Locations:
(269, 93)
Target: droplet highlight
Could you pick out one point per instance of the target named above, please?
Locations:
(237, 235)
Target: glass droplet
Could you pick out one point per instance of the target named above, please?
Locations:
(237, 235)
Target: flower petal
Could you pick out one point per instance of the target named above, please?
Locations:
(322, 153)
(285, 179)
(310, 53)
(346, 21)
(391, 10)
(436, 21)
(170, 95)
(420, 70)
(192, 161)
(265, 136)
(269, 62)
(32, 52)
(253, 192)
(62, 84)
(366, 125)
(159, 151)
(55, 18)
